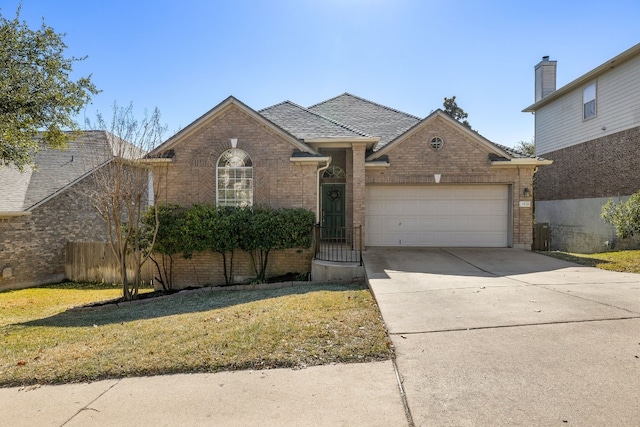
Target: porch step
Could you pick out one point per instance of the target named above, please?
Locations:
(327, 271)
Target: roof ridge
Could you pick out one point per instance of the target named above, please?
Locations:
(335, 122)
(370, 102)
(277, 105)
(327, 100)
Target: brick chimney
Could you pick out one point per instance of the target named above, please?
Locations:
(545, 77)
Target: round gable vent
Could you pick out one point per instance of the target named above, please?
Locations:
(436, 143)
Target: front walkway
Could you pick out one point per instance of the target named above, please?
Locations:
(509, 337)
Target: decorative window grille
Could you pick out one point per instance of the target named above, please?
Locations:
(333, 172)
(234, 179)
(436, 143)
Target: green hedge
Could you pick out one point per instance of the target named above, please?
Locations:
(257, 230)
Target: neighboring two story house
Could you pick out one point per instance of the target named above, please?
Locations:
(590, 128)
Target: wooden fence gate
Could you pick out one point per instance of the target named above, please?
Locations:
(95, 262)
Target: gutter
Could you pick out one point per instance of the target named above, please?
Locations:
(310, 159)
(322, 169)
(13, 214)
(376, 165)
(519, 162)
(155, 160)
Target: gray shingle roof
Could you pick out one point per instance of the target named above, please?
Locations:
(305, 124)
(516, 154)
(55, 170)
(366, 116)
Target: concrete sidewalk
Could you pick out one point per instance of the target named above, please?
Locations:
(364, 394)
(492, 337)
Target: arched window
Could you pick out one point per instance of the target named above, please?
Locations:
(333, 172)
(234, 179)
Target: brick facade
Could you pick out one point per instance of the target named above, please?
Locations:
(359, 179)
(206, 268)
(33, 246)
(278, 182)
(462, 160)
(570, 192)
(603, 167)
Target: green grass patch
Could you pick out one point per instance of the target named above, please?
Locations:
(623, 261)
(206, 331)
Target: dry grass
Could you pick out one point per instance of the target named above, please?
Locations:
(624, 261)
(196, 332)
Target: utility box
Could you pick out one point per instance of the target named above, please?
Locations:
(541, 236)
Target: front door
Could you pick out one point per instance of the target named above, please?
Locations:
(333, 211)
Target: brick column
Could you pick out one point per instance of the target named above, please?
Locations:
(358, 150)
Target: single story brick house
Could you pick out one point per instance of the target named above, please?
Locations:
(407, 181)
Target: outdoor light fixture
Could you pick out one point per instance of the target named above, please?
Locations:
(437, 177)
(526, 192)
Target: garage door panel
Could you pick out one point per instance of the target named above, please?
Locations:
(455, 215)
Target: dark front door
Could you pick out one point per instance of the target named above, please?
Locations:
(333, 211)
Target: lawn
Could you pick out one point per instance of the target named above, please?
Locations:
(204, 331)
(625, 261)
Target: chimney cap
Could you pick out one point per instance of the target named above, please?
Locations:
(545, 58)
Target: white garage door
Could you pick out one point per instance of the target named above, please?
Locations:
(438, 215)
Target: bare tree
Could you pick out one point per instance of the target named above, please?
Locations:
(125, 189)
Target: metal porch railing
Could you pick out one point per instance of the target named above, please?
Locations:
(338, 244)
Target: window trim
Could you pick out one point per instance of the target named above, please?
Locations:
(234, 201)
(594, 88)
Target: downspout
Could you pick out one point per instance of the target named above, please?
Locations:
(318, 192)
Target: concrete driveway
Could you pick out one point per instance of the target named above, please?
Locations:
(491, 337)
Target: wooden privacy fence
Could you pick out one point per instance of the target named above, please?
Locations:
(95, 262)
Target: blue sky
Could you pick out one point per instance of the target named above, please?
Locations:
(184, 57)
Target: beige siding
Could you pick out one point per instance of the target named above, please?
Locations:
(560, 125)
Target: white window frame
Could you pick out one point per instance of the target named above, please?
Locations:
(234, 178)
(589, 101)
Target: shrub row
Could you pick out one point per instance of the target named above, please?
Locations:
(256, 230)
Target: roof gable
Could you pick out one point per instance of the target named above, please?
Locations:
(367, 117)
(56, 170)
(211, 115)
(441, 115)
